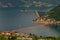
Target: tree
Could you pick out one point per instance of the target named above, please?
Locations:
(58, 38)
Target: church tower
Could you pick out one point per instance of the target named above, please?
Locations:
(37, 20)
(37, 13)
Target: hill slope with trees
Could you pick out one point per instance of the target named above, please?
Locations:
(53, 14)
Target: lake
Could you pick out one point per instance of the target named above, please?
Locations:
(11, 18)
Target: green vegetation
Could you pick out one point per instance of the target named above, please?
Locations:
(34, 37)
(53, 14)
(58, 38)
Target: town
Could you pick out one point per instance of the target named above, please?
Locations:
(43, 20)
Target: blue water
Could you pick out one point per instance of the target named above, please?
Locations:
(12, 18)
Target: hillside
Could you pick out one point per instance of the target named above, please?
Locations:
(53, 14)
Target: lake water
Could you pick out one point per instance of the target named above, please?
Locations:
(12, 18)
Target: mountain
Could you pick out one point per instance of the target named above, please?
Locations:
(28, 3)
(54, 13)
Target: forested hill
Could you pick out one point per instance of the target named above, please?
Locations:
(54, 13)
